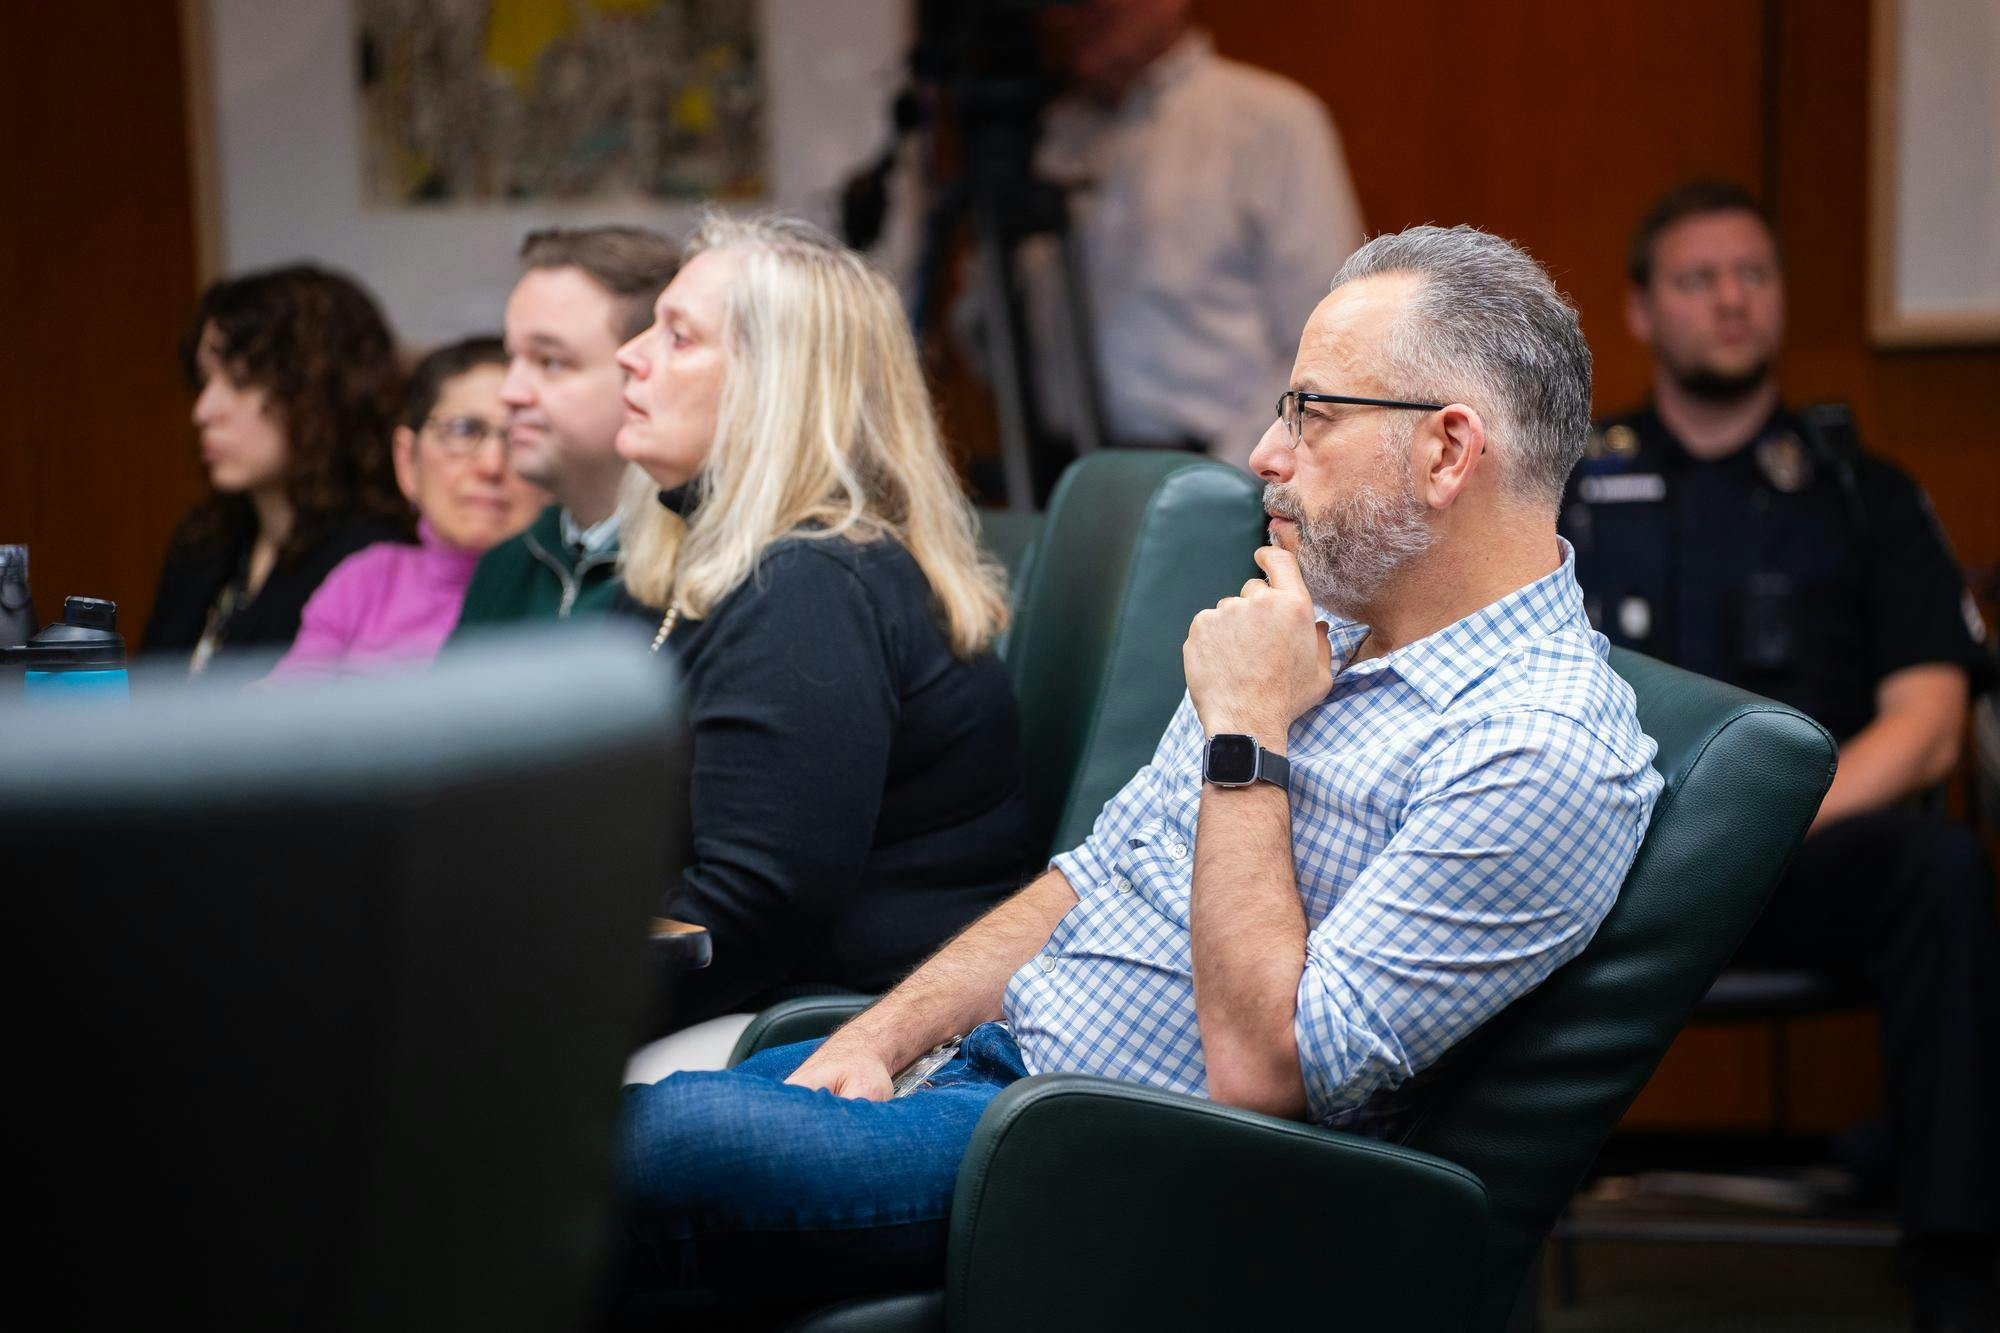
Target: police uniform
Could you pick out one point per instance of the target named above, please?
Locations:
(1805, 570)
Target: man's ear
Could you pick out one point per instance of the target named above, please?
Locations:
(1638, 316)
(403, 449)
(1454, 450)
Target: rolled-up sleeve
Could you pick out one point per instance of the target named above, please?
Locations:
(1088, 865)
(1516, 837)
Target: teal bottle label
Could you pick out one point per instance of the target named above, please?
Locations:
(79, 686)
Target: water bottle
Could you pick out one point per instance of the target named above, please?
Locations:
(81, 657)
(17, 608)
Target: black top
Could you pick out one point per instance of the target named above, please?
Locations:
(856, 793)
(192, 577)
(1798, 567)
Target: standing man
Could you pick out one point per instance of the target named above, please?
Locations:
(1212, 204)
(583, 294)
(1725, 532)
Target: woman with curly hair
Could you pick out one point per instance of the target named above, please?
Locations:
(296, 394)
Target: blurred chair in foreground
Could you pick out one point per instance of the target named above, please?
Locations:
(1096, 1187)
(319, 996)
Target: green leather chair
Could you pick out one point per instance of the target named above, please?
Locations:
(1134, 543)
(1088, 1204)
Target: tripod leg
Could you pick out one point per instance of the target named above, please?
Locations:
(1080, 365)
(1005, 351)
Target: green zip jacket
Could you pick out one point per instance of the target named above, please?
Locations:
(530, 577)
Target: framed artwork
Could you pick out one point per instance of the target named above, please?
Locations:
(413, 143)
(1934, 172)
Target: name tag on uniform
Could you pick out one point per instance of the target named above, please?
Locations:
(1622, 488)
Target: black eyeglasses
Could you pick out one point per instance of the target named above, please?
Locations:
(459, 436)
(1291, 409)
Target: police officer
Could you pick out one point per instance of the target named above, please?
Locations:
(1722, 531)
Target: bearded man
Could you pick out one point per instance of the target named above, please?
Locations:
(1403, 788)
(1729, 534)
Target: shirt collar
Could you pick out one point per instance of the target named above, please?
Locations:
(1174, 64)
(596, 539)
(1441, 666)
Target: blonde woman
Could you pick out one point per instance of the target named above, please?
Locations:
(856, 794)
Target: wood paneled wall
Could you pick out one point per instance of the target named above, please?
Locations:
(1557, 123)
(97, 459)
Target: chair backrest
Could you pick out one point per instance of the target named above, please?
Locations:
(1527, 1102)
(319, 997)
(1136, 542)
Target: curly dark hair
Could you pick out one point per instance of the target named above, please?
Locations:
(317, 344)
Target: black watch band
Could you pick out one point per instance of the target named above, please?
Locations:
(1232, 759)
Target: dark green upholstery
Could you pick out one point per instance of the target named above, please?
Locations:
(1073, 1188)
(796, 1020)
(1137, 1208)
(1134, 544)
(1527, 1102)
(1009, 535)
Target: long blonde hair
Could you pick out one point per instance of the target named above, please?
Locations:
(824, 430)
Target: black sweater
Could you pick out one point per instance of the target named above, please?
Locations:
(192, 577)
(856, 793)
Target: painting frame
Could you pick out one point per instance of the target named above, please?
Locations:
(443, 271)
(1894, 319)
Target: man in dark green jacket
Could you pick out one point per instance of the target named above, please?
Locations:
(583, 294)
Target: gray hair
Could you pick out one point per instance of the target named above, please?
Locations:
(1488, 328)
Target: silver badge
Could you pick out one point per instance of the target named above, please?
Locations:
(1622, 488)
(1784, 463)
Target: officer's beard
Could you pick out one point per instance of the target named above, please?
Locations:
(1353, 547)
(1715, 386)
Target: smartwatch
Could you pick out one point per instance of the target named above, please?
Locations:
(1231, 759)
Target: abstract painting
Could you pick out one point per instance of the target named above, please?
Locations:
(508, 101)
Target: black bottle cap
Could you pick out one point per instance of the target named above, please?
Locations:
(90, 613)
(87, 636)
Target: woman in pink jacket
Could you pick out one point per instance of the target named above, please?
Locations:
(392, 604)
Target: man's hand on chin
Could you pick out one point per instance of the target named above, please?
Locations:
(1259, 660)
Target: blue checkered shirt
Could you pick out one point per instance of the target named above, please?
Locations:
(1463, 812)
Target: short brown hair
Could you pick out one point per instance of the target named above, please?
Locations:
(1689, 200)
(633, 264)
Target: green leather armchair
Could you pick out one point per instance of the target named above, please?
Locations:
(1134, 543)
(1088, 1204)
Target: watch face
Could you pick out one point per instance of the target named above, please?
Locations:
(1231, 759)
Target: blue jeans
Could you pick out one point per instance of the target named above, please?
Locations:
(768, 1194)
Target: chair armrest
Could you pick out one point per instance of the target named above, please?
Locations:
(796, 1020)
(1085, 1203)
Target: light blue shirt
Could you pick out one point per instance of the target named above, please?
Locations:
(589, 543)
(1464, 810)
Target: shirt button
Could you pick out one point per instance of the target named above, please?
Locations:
(1046, 963)
(1177, 849)
(1122, 884)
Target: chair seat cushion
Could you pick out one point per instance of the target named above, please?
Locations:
(913, 1312)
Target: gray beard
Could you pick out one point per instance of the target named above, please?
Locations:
(1349, 552)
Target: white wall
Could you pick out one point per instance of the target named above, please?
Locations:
(1947, 259)
(288, 153)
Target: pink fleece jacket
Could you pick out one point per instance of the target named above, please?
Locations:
(386, 606)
